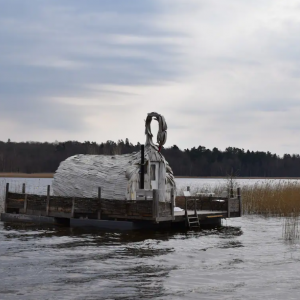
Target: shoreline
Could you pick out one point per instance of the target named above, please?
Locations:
(50, 175)
(26, 175)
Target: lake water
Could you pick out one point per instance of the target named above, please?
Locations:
(247, 258)
(39, 185)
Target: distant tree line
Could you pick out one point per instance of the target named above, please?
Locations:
(35, 157)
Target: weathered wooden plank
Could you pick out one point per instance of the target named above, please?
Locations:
(14, 203)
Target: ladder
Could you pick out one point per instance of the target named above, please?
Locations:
(191, 220)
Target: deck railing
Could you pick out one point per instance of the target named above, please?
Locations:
(93, 208)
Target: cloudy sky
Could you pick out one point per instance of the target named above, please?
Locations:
(223, 73)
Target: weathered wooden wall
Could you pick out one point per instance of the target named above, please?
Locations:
(93, 208)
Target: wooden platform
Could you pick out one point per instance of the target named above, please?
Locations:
(107, 213)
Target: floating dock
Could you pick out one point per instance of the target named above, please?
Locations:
(145, 213)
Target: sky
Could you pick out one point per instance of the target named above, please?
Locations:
(222, 73)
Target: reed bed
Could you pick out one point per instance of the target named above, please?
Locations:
(275, 199)
(272, 198)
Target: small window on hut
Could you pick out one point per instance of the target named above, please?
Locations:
(152, 172)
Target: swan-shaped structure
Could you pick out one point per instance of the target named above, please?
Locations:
(118, 175)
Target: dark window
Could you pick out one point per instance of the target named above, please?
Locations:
(152, 172)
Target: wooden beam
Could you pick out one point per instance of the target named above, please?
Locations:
(142, 169)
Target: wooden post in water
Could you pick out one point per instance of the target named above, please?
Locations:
(172, 203)
(48, 200)
(23, 188)
(99, 197)
(6, 197)
(240, 201)
(155, 206)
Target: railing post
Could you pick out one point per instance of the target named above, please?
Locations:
(155, 206)
(6, 197)
(99, 197)
(73, 207)
(228, 206)
(23, 188)
(186, 211)
(172, 203)
(240, 201)
(48, 200)
(25, 204)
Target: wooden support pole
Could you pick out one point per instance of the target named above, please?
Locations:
(231, 192)
(25, 204)
(6, 197)
(142, 167)
(172, 203)
(188, 188)
(195, 206)
(240, 201)
(155, 206)
(99, 210)
(48, 201)
(23, 188)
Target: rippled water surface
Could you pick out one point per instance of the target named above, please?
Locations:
(247, 258)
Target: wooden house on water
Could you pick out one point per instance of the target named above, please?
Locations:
(120, 192)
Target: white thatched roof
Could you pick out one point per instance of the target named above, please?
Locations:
(81, 175)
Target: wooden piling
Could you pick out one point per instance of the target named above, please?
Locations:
(48, 200)
(6, 197)
(23, 188)
(99, 210)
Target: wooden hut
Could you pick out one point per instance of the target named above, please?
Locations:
(119, 176)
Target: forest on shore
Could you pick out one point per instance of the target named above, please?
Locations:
(36, 157)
